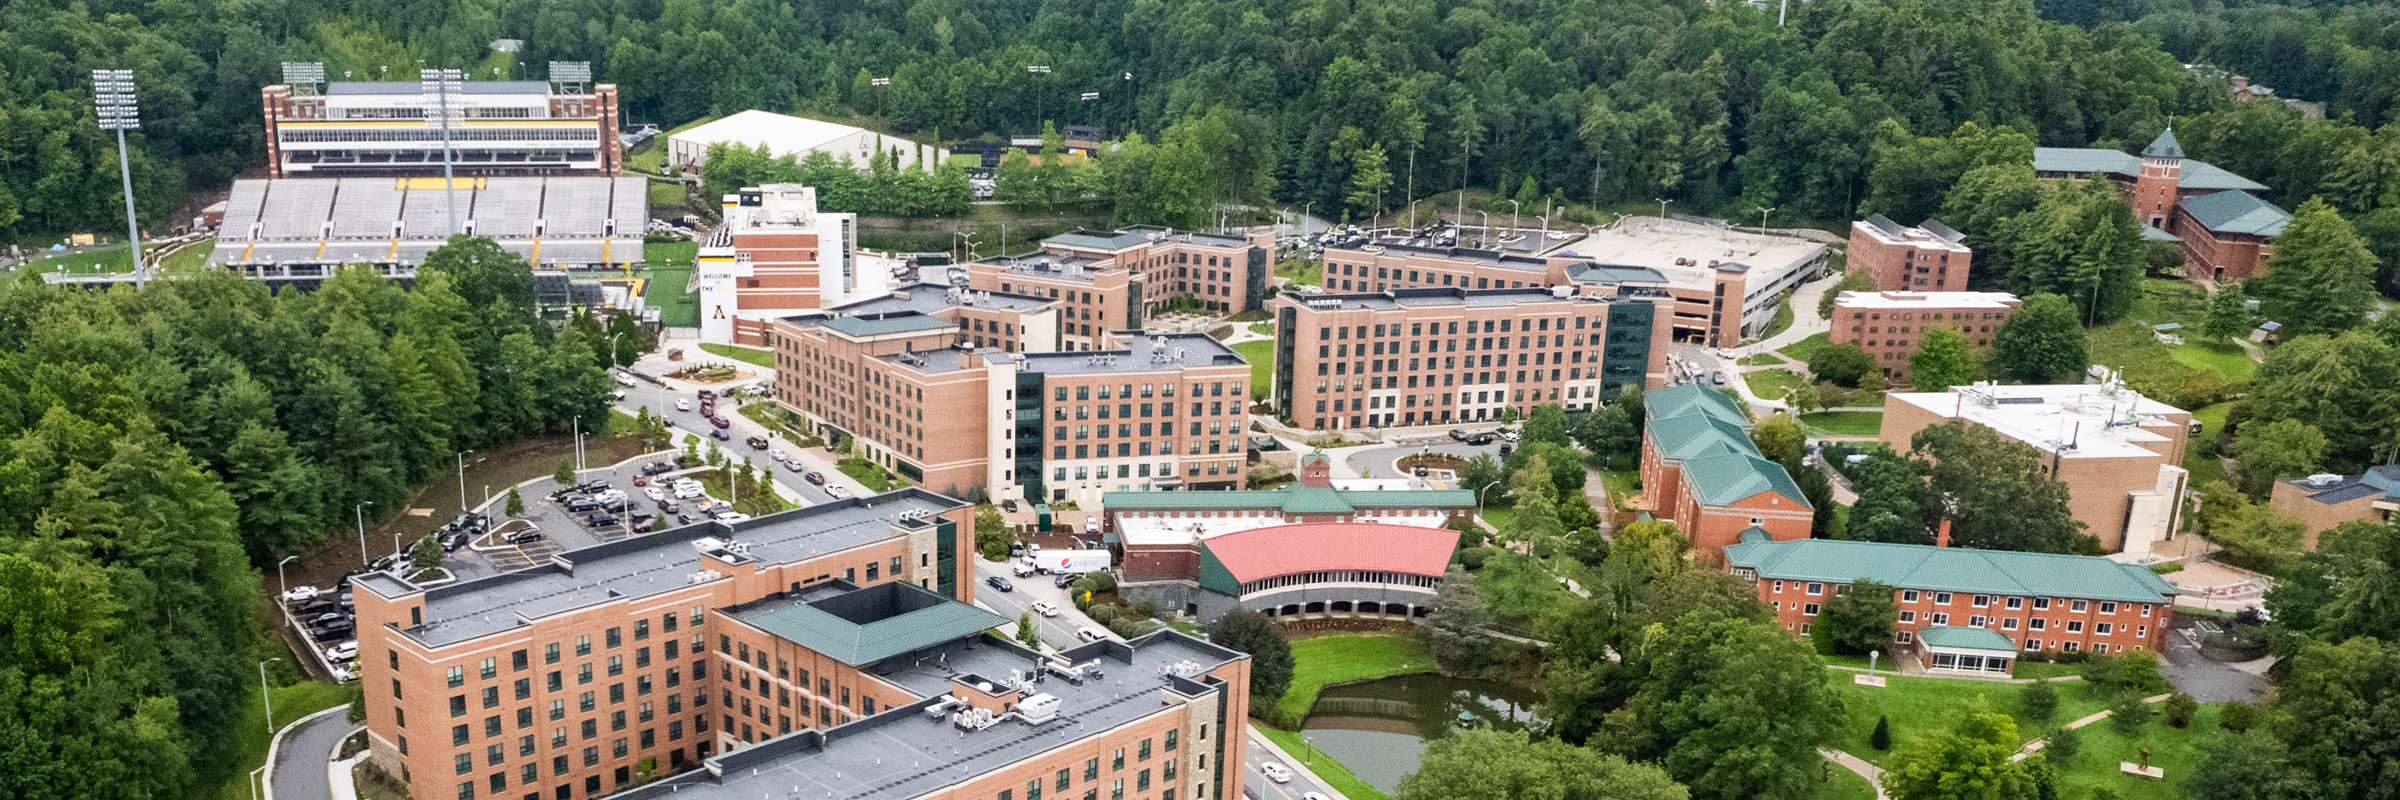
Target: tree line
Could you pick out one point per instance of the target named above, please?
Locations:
(1349, 107)
(158, 445)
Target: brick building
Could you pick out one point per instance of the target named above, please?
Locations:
(2325, 501)
(2117, 452)
(1327, 569)
(1957, 602)
(933, 393)
(1723, 284)
(775, 254)
(1700, 470)
(565, 679)
(1439, 355)
(1928, 258)
(1889, 325)
(384, 129)
(1110, 280)
(2223, 227)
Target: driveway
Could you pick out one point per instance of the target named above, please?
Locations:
(1058, 632)
(2207, 680)
(1382, 461)
(301, 758)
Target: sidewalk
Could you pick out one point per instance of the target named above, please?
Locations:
(1297, 765)
(1872, 773)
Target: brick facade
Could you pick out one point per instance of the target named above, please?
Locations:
(1891, 325)
(1928, 258)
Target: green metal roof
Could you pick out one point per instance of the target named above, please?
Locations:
(1692, 398)
(2164, 146)
(2236, 212)
(1727, 478)
(1694, 435)
(2081, 160)
(1951, 569)
(1958, 638)
(1292, 499)
(930, 620)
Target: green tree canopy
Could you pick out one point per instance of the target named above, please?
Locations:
(1999, 496)
(1969, 761)
(1842, 363)
(2041, 343)
(2322, 280)
(1942, 360)
(1732, 708)
(1251, 632)
(1484, 764)
(2284, 448)
(1859, 620)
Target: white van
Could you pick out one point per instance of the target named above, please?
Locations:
(1088, 633)
(1021, 568)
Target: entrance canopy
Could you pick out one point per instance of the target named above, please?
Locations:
(1970, 650)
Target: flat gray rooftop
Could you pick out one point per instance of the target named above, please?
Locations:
(652, 564)
(927, 297)
(415, 89)
(1146, 353)
(904, 753)
(1048, 265)
(1440, 298)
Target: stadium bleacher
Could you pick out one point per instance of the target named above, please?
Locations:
(292, 228)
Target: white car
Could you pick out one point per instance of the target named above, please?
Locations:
(683, 405)
(1044, 608)
(345, 651)
(729, 516)
(623, 379)
(654, 493)
(303, 593)
(1276, 772)
(837, 490)
(683, 492)
(1726, 352)
(1313, 796)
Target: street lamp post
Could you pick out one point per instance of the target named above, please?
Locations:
(112, 92)
(361, 513)
(1763, 211)
(266, 698)
(1662, 207)
(462, 480)
(1037, 95)
(437, 85)
(1513, 208)
(285, 585)
(1487, 228)
(1479, 498)
(612, 348)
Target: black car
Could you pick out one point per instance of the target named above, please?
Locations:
(313, 607)
(468, 523)
(1461, 434)
(523, 536)
(595, 487)
(720, 435)
(579, 505)
(454, 540)
(683, 519)
(1008, 505)
(338, 630)
(1063, 581)
(656, 467)
(601, 519)
(999, 583)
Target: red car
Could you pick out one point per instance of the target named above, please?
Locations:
(641, 480)
(720, 422)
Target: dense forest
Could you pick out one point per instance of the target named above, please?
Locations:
(1711, 105)
(155, 445)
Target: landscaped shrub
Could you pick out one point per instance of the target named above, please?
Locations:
(2062, 746)
(1881, 739)
(2237, 716)
(2128, 714)
(1102, 614)
(2040, 699)
(2180, 708)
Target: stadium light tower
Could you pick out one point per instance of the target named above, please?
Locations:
(112, 93)
(437, 85)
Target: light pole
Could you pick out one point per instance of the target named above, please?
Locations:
(1479, 498)
(1763, 211)
(612, 348)
(579, 448)
(361, 512)
(1487, 229)
(1513, 208)
(462, 480)
(1037, 100)
(437, 85)
(1662, 206)
(266, 698)
(112, 93)
(1544, 242)
(879, 95)
(1304, 209)
(966, 242)
(279, 579)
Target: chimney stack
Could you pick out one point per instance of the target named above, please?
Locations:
(1941, 538)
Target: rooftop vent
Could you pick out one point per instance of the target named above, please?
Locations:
(2324, 479)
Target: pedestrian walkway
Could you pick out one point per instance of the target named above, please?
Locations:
(1872, 773)
(2036, 745)
(298, 758)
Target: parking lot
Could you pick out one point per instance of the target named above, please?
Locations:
(557, 529)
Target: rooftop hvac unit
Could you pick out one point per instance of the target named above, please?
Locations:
(1038, 709)
(2324, 479)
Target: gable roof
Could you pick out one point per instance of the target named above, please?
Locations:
(1727, 478)
(1951, 569)
(1691, 398)
(2080, 160)
(2236, 212)
(1960, 638)
(1690, 435)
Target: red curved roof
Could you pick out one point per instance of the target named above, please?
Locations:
(1286, 549)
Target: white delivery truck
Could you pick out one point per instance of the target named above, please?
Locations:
(1074, 562)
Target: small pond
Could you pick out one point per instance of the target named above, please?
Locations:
(1379, 728)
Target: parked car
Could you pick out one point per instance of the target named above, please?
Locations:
(729, 516)
(1000, 583)
(683, 519)
(670, 505)
(794, 465)
(578, 505)
(1044, 608)
(454, 540)
(1460, 434)
(325, 618)
(817, 478)
(1008, 505)
(639, 526)
(708, 394)
(600, 519)
(1064, 580)
(301, 593)
(523, 536)
(683, 405)
(1088, 633)
(689, 492)
(641, 480)
(1717, 377)
(342, 652)
(654, 493)
(838, 491)
(623, 379)
(317, 606)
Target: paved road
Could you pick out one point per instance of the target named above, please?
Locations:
(1058, 631)
(1257, 784)
(300, 762)
(1382, 461)
(2207, 680)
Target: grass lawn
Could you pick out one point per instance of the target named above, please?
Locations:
(1844, 423)
(2043, 669)
(867, 474)
(753, 355)
(1761, 360)
(2221, 356)
(1773, 384)
(1332, 771)
(719, 483)
(1348, 657)
(2204, 468)
(1621, 482)
(190, 258)
(2172, 749)
(1261, 356)
(1500, 516)
(88, 262)
(291, 703)
(1846, 785)
(1923, 705)
(669, 270)
(1302, 271)
(1801, 350)
(1782, 320)
(770, 415)
(667, 195)
(667, 254)
(1263, 328)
